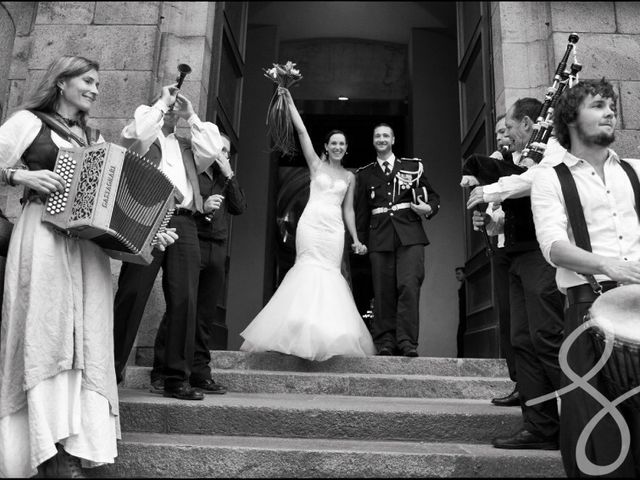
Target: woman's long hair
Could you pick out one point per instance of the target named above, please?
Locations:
(46, 94)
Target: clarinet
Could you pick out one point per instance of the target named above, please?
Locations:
(533, 152)
(183, 71)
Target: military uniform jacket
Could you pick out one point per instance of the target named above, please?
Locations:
(374, 190)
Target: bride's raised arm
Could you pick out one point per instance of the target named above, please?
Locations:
(312, 159)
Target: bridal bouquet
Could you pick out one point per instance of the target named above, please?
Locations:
(279, 125)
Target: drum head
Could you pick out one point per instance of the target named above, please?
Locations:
(618, 311)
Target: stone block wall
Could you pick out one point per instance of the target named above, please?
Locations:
(21, 15)
(608, 47)
(520, 36)
(138, 46)
(530, 38)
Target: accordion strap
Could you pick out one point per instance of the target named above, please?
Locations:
(62, 130)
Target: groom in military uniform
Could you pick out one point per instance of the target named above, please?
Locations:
(392, 196)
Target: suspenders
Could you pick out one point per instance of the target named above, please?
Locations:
(575, 213)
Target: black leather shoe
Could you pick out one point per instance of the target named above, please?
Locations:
(209, 386)
(524, 439)
(511, 400)
(184, 392)
(385, 351)
(409, 352)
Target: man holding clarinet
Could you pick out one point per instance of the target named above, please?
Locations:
(221, 196)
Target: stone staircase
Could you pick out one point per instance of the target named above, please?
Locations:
(346, 417)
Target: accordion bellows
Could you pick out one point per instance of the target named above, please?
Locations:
(114, 197)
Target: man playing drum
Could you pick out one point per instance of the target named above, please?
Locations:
(607, 248)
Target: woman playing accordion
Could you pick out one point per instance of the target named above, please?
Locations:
(58, 394)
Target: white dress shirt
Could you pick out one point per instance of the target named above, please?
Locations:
(206, 144)
(172, 166)
(515, 186)
(391, 160)
(608, 206)
(496, 224)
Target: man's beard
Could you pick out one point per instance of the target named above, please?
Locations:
(601, 139)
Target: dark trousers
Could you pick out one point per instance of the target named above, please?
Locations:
(578, 407)
(212, 274)
(501, 263)
(536, 336)
(180, 263)
(397, 276)
(212, 330)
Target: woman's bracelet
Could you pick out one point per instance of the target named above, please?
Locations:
(6, 176)
(10, 173)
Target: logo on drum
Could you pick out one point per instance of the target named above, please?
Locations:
(605, 329)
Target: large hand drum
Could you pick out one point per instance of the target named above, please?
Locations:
(616, 318)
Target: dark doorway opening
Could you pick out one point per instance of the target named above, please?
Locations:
(357, 119)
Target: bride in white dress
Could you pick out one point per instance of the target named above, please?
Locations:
(312, 314)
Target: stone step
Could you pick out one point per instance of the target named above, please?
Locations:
(274, 361)
(193, 456)
(319, 416)
(359, 384)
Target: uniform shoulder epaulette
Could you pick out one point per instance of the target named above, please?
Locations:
(366, 166)
(414, 159)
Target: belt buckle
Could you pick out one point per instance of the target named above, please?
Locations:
(394, 207)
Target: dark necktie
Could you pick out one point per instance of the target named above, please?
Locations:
(387, 170)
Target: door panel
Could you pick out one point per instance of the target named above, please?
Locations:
(476, 123)
(223, 108)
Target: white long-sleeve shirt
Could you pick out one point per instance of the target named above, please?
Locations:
(515, 186)
(612, 221)
(206, 144)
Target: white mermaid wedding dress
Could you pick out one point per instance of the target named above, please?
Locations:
(312, 314)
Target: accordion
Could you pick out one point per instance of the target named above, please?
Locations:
(113, 197)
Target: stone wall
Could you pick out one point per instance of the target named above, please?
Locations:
(138, 46)
(608, 47)
(22, 16)
(520, 37)
(529, 39)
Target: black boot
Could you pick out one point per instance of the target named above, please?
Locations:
(62, 465)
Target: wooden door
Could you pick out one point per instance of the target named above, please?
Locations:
(475, 82)
(224, 108)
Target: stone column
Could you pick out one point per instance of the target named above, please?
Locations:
(520, 38)
(185, 36)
